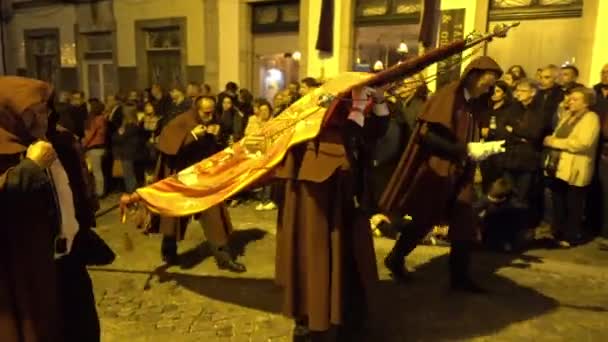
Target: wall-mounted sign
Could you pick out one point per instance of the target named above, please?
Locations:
(451, 28)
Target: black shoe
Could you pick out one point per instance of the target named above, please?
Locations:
(301, 334)
(171, 259)
(467, 286)
(225, 261)
(398, 270)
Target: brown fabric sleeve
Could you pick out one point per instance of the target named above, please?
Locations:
(177, 134)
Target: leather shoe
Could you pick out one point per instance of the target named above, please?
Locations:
(398, 270)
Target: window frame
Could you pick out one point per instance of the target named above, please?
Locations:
(390, 18)
(279, 25)
(536, 11)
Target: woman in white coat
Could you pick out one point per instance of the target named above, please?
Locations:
(571, 164)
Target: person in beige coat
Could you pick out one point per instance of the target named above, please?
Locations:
(571, 164)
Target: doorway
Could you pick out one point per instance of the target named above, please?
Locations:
(100, 78)
(42, 54)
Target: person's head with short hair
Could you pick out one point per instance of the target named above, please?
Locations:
(294, 88)
(264, 110)
(502, 93)
(95, 107)
(509, 79)
(205, 89)
(112, 101)
(177, 94)
(156, 91)
(548, 77)
(568, 75)
(307, 85)
(245, 96)
(129, 115)
(193, 90)
(525, 90)
(227, 103)
(500, 190)
(64, 96)
(580, 99)
(149, 108)
(205, 106)
(77, 98)
(133, 96)
(232, 87)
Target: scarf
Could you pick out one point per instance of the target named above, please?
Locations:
(65, 202)
(552, 156)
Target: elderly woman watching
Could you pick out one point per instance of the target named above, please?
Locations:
(570, 163)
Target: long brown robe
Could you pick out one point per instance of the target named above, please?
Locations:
(325, 250)
(39, 295)
(430, 188)
(179, 149)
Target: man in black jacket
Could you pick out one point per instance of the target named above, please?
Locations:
(601, 90)
(548, 97)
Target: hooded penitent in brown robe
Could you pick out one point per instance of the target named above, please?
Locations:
(325, 254)
(41, 299)
(178, 150)
(430, 186)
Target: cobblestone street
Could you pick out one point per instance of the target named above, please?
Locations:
(543, 295)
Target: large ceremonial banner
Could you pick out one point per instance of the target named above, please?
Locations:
(243, 164)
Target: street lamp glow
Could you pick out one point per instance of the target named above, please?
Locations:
(296, 55)
(403, 48)
(378, 65)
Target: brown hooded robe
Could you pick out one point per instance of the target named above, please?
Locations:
(39, 295)
(179, 150)
(325, 252)
(431, 189)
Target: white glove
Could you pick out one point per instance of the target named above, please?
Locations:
(479, 151)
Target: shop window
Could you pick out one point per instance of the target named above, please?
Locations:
(534, 9)
(387, 12)
(283, 16)
(165, 38)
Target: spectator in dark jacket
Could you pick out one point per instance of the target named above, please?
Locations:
(232, 121)
(492, 124)
(523, 129)
(549, 96)
(73, 119)
(128, 147)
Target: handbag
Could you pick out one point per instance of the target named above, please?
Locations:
(550, 159)
(91, 249)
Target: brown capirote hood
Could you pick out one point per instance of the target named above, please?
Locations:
(22, 100)
(483, 63)
(439, 109)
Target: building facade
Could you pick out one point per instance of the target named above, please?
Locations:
(104, 47)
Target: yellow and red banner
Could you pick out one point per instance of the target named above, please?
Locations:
(217, 178)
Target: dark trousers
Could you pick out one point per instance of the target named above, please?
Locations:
(81, 322)
(603, 177)
(490, 172)
(568, 210)
(412, 234)
(522, 183)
